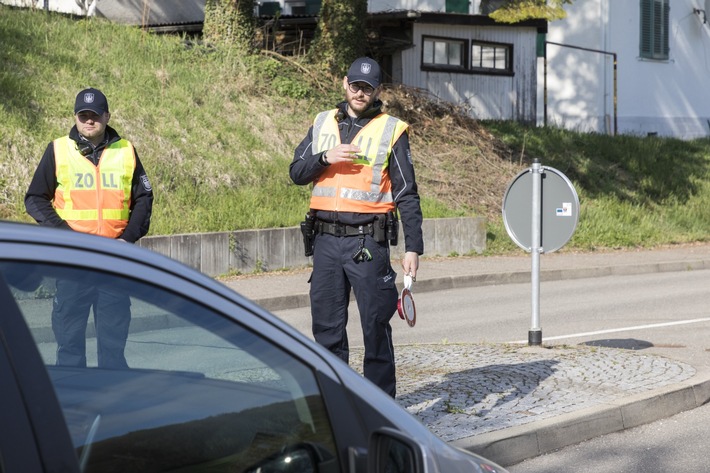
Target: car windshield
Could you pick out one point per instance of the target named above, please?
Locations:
(157, 381)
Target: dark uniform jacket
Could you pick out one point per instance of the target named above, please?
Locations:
(39, 196)
(306, 167)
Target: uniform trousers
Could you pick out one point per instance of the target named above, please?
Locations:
(373, 283)
(70, 315)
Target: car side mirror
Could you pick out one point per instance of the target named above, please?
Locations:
(298, 458)
(392, 452)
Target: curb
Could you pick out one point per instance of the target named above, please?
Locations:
(515, 444)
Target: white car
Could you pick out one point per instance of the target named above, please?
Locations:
(215, 383)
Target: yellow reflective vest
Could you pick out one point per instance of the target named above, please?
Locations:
(362, 185)
(94, 199)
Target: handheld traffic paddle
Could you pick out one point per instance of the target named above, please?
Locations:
(405, 304)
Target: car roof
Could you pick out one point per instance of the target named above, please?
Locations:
(19, 232)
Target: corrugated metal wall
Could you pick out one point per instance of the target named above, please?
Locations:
(488, 96)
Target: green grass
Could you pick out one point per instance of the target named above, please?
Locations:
(216, 132)
(633, 191)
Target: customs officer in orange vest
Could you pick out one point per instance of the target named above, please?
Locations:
(359, 162)
(91, 181)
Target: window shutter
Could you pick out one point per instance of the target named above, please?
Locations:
(665, 49)
(457, 6)
(654, 17)
(645, 46)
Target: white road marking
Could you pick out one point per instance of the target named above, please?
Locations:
(623, 329)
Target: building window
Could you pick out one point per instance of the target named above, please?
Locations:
(444, 52)
(465, 56)
(489, 56)
(654, 29)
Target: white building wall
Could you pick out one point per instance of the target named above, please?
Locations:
(420, 5)
(488, 96)
(668, 98)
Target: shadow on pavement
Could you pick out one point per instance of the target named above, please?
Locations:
(478, 392)
(623, 343)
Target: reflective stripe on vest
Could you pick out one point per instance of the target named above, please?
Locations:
(344, 189)
(94, 199)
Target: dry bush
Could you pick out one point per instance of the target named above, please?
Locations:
(456, 159)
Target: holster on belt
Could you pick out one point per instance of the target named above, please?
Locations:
(309, 233)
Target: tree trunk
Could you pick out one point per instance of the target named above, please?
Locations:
(340, 37)
(230, 22)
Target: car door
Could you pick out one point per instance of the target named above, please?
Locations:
(210, 386)
(33, 434)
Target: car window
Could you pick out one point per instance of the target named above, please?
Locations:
(157, 381)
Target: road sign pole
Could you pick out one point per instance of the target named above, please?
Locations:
(543, 227)
(535, 332)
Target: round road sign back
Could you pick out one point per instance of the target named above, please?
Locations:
(559, 207)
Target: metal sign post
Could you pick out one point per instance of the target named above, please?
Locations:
(535, 332)
(543, 227)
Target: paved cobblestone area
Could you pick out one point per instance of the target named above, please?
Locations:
(461, 390)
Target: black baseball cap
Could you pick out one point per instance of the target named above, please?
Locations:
(91, 99)
(365, 70)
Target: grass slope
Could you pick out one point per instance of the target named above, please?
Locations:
(216, 132)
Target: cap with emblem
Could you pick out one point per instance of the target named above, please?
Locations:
(365, 70)
(91, 99)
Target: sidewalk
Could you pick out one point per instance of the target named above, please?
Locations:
(509, 403)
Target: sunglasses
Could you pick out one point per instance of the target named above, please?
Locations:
(357, 87)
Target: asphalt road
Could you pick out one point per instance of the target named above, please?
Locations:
(665, 313)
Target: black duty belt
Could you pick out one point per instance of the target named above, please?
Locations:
(343, 230)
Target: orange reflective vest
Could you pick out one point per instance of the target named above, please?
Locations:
(94, 199)
(362, 185)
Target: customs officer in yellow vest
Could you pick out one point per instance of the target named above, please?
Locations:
(91, 181)
(359, 162)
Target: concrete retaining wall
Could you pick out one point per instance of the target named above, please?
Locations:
(246, 251)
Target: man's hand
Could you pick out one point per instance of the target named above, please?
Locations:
(410, 263)
(342, 153)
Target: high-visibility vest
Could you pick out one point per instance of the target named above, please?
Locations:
(94, 199)
(362, 185)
